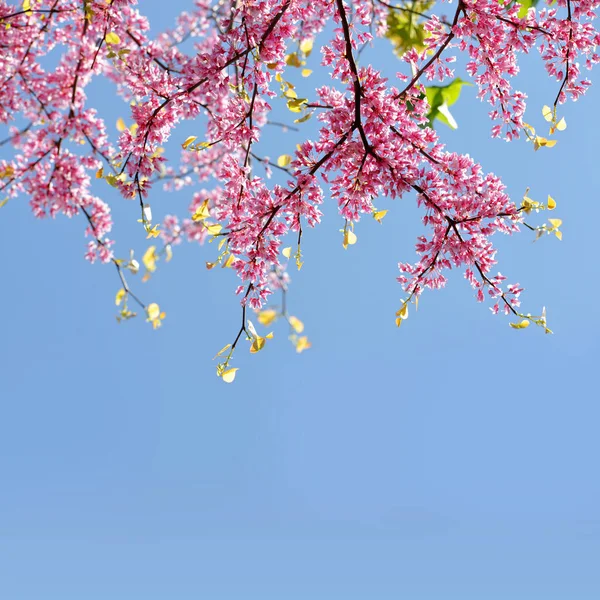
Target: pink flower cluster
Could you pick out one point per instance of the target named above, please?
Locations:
(372, 140)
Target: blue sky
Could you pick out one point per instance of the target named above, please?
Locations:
(454, 458)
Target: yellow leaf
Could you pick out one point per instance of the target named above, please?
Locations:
(222, 350)
(561, 125)
(558, 234)
(188, 141)
(210, 265)
(214, 228)
(149, 259)
(292, 60)
(547, 113)
(303, 119)
(7, 172)
(284, 160)
(153, 311)
(26, 5)
(529, 128)
(521, 325)
(379, 214)
(306, 72)
(230, 260)
(229, 375)
(201, 212)
(257, 345)
(403, 312)
(295, 104)
(112, 38)
(349, 238)
(302, 344)
(296, 324)
(291, 94)
(120, 296)
(168, 252)
(121, 124)
(153, 232)
(306, 47)
(398, 321)
(267, 316)
(556, 223)
(287, 252)
(100, 173)
(543, 142)
(551, 203)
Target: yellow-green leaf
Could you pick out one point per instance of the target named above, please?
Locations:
(222, 350)
(304, 118)
(188, 141)
(295, 104)
(230, 260)
(551, 203)
(257, 345)
(379, 214)
(267, 316)
(297, 324)
(302, 344)
(120, 296)
(284, 160)
(292, 60)
(112, 38)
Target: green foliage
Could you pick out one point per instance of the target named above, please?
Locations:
(405, 26)
(440, 98)
(525, 5)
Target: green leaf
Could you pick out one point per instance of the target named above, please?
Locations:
(525, 6)
(442, 97)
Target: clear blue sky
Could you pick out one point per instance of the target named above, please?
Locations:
(454, 459)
